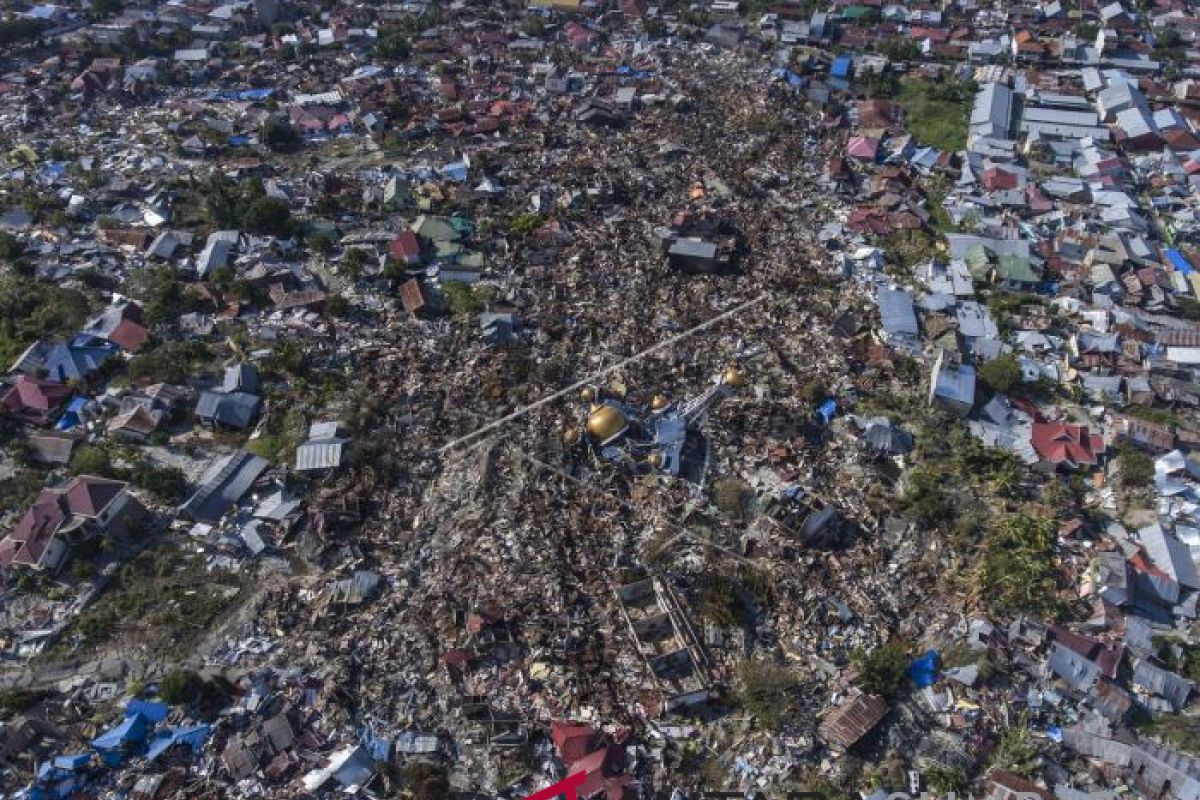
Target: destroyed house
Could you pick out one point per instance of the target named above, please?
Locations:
(852, 720)
(223, 485)
(666, 641)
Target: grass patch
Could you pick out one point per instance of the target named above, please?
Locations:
(936, 113)
(163, 600)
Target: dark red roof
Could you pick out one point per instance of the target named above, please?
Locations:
(1060, 443)
(129, 335)
(33, 398)
(88, 495)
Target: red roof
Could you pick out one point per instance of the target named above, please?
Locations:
(1072, 445)
(85, 496)
(996, 179)
(129, 335)
(88, 495)
(571, 741)
(405, 247)
(33, 399)
(863, 147)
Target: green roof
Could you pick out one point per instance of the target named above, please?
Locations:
(1017, 270)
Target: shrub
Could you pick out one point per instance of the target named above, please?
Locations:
(729, 495)
(768, 691)
(882, 671)
(91, 460)
(1137, 468)
(268, 215)
(1001, 373)
(280, 136)
(1017, 569)
(180, 687)
(461, 299)
(321, 243)
(166, 484)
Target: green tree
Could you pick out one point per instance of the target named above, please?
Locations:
(180, 687)
(1001, 373)
(91, 460)
(392, 44)
(280, 135)
(1017, 573)
(167, 484)
(353, 262)
(461, 298)
(268, 215)
(321, 243)
(1136, 468)
(882, 671)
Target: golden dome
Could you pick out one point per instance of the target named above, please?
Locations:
(658, 402)
(734, 377)
(605, 422)
(588, 394)
(654, 459)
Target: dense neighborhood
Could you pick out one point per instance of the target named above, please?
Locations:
(434, 400)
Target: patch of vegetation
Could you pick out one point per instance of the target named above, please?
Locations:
(462, 299)
(944, 780)
(171, 362)
(882, 671)
(167, 484)
(14, 701)
(20, 489)
(245, 206)
(163, 296)
(392, 43)
(1159, 416)
(185, 687)
(936, 112)
(924, 499)
(1016, 573)
(32, 309)
(1016, 752)
(162, 601)
(524, 224)
(910, 247)
(91, 459)
(280, 135)
(729, 495)
(1180, 731)
(1136, 468)
(768, 691)
(718, 600)
(1001, 373)
(21, 30)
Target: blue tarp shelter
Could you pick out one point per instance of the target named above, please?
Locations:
(73, 414)
(841, 67)
(924, 670)
(827, 409)
(1179, 262)
(152, 710)
(115, 744)
(786, 74)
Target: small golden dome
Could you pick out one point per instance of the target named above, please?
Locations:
(734, 377)
(588, 394)
(570, 435)
(605, 422)
(654, 459)
(658, 402)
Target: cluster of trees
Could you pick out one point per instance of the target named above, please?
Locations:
(882, 671)
(245, 206)
(32, 309)
(20, 29)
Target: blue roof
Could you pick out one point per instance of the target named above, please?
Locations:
(827, 409)
(1179, 262)
(841, 67)
(786, 74)
(79, 359)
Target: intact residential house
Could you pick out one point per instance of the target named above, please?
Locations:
(120, 323)
(324, 451)
(34, 400)
(235, 404)
(84, 508)
(1061, 445)
(405, 248)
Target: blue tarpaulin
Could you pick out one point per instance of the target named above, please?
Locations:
(112, 744)
(636, 74)
(152, 710)
(455, 171)
(239, 141)
(789, 76)
(244, 94)
(73, 415)
(827, 409)
(1179, 262)
(841, 67)
(924, 670)
(194, 737)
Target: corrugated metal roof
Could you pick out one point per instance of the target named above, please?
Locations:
(325, 454)
(849, 722)
(223, 485)
(896, 312)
